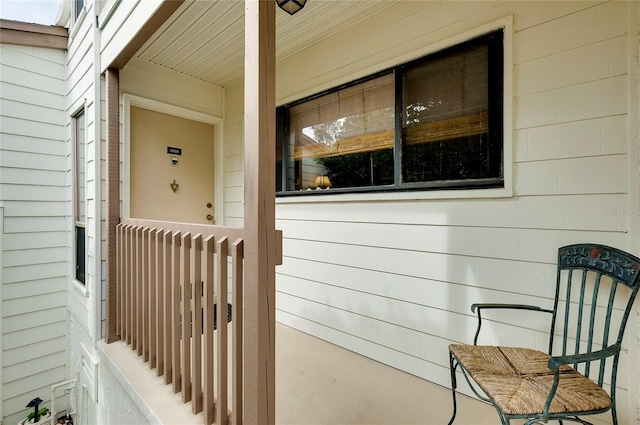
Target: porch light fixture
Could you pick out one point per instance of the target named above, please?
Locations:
(322, 182)
(291, 6)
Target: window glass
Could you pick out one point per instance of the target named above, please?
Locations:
(345, 136)
(445, 126)
(435, 122)
(80, 177)
(80, 254)
(79, 195)
(79, 4)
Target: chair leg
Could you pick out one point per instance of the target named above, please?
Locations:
(452, 366)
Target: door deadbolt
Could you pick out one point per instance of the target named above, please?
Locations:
(209, 205)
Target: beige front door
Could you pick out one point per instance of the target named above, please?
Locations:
(165, 149)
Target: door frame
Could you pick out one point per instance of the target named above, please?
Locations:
(129, 100)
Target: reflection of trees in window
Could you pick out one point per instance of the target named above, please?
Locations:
(374, 168)
(367, 165)
(415, 110)
(345, 129)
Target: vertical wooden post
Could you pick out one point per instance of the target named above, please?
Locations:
(259, 212)
(113, 197)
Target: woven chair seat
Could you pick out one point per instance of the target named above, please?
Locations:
(518, 380)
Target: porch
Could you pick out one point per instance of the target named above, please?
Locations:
(172, 379)
(316, 383)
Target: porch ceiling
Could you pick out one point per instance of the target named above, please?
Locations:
(205, 38)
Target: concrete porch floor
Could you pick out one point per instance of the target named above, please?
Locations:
(317, 383)
(321, 383)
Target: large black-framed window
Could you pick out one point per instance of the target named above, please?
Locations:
(433, 123)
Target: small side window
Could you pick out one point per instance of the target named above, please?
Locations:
(78, 5)
(79, 195)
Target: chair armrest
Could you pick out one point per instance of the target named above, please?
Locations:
(492, 306)
(510, 306)
(556, 361)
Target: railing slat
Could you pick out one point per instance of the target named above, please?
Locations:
(119, 280)
(221, 372)
(237, 255)
(196, 325)
(166, 306)
(159, 322)
(175, 313)
(209, 397)
(186, 334)
(130, 280)
(144, 285)
(165, 313)
(153, 296)
(134, 288)
(138, 294)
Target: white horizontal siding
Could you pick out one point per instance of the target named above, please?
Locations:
(80, 95)
(127, 19)
(233, 156)
(394, 279)
(18, 355)
(32, 196)
(28, 388)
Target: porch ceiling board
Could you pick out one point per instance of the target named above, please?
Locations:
(204, 38)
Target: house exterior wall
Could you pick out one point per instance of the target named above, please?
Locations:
(33, 241)
(85, 91)
(392, 276)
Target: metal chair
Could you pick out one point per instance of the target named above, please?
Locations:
(595, 290)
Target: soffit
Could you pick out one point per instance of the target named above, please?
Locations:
(205, 38)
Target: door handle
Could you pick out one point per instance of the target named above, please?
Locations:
(209, 217)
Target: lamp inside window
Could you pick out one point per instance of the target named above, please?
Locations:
(322, 182)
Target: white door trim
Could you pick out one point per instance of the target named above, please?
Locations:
(129, 100)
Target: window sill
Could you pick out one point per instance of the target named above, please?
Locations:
(82, 288)
(75, 26)
(398, 196)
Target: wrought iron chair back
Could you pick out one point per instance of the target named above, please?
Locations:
(591, 310)
(595, 292)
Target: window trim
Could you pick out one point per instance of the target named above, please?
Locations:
(76, 18)
(402, 193)
(108, 9)
(398, 73)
